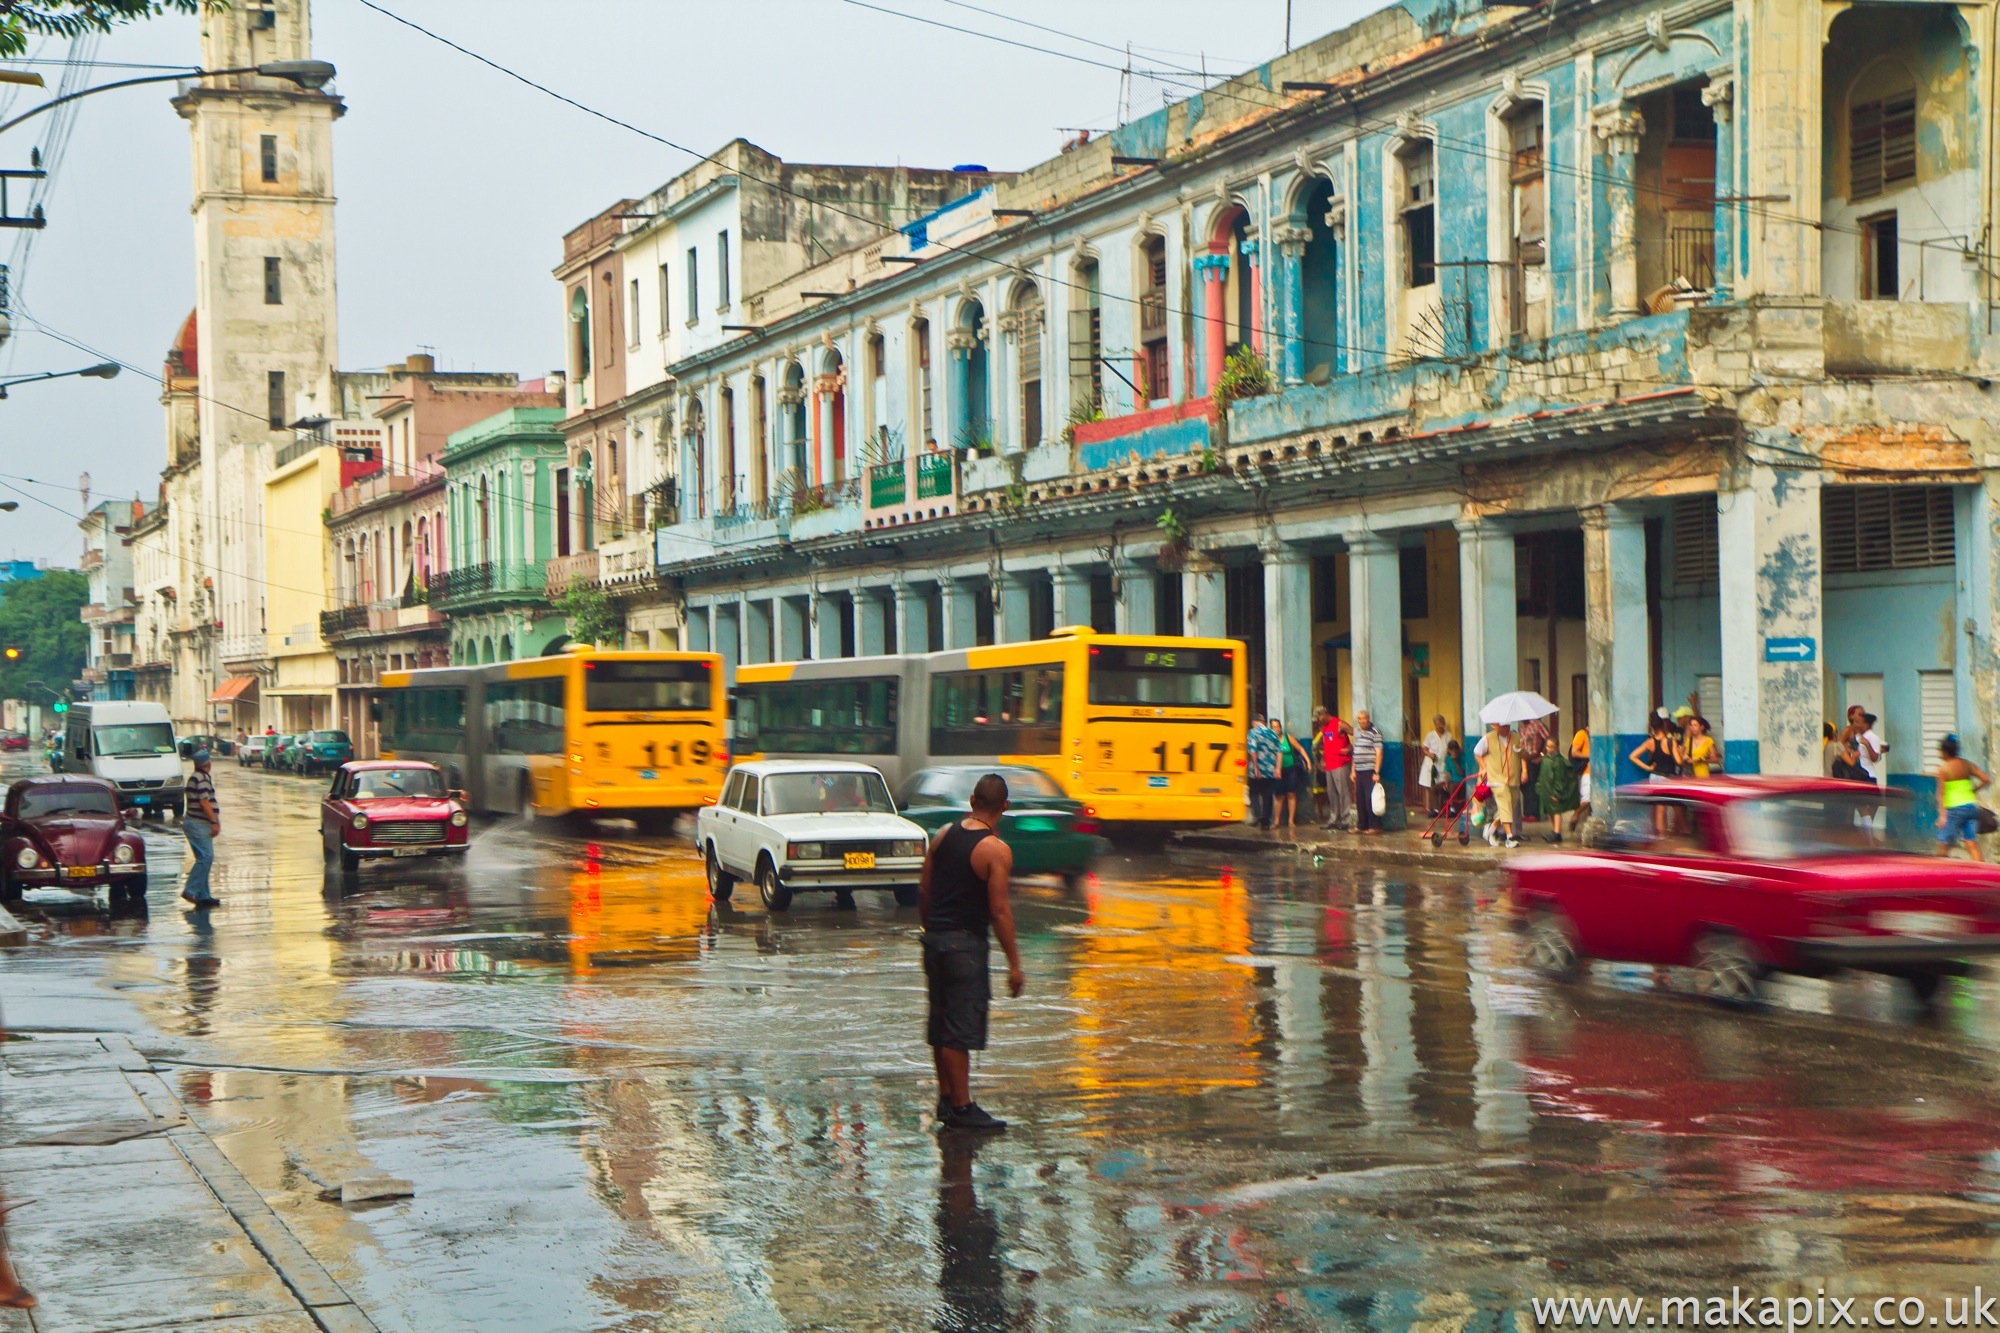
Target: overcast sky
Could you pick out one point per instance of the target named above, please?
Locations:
(456, 183)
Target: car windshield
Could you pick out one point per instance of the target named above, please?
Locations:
(147, 738)
(1812, 825)
(827, 793)
(376, 783)
(329, 738)
(43, 802)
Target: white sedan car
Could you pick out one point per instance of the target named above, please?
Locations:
(794, 827)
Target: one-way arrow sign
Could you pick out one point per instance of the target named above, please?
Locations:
(1791, 650)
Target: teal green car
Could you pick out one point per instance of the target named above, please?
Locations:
(1048, 832)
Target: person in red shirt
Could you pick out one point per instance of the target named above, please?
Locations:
(1336, 742)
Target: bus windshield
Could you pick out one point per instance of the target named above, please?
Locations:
(1174, 677)
(647, 687)
(140, 738)
(827, 793)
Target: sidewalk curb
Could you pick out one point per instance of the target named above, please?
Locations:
(12, 932)
(325, 1301)
(1354, 850)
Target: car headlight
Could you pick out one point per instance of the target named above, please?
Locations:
(123, 856)
(907, 847)
(361, 821)
(458, 819)
(26, 858)
(806, 851)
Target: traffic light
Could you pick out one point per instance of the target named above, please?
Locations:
(60, 706)
(13, 654)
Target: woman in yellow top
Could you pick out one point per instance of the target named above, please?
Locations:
(1504, 767)
(1702, 758)
(1958, 806)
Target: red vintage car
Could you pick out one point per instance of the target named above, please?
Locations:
(390, 808)
(68, 830)
(13, 740)
(1741, 876)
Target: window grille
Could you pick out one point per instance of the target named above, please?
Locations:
(1882, 144)
(1696, 548)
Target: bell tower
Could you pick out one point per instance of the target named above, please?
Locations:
(266, 318)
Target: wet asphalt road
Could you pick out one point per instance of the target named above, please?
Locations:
(1253, 1098)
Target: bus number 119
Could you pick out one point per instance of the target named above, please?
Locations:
(1188, 752)
(697, 753)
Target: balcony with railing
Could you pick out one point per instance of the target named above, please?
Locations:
(391, 615)
(372, 490)
(457, 589)
(92, 559)
(931, 477)
(566, 571)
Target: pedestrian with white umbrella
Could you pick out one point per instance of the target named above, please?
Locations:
(1501, 762)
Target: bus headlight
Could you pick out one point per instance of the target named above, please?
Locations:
(123, 856)
(805, 851)
(458, 819)
(907, 847)
(26, 858)
(360, 821)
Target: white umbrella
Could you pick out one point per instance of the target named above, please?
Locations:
(1520, 706)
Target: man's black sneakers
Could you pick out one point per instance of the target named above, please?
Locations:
(970, 1116)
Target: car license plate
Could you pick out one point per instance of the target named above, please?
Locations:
(80, 872)
(858, 861)
(1158, 781)
(1929, 924)
(648, 774)
(142, 800)
(1035, 825)
(409, 851)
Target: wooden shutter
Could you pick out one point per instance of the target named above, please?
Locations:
(1696, 544)
(1886, 527)
(1882, 144)
(1937, 705)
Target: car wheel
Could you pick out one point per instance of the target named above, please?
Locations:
(10, 892)
(1552, 946)
(350, 864)
(1725, 969)
(528, 815)
(1073, 881)
(1926, 985)
(906, 895)
(721, 884)
(777, 897)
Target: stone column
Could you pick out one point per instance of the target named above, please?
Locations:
(1489, 656)
(729, 637)
(1288, 664)
(1211, 272)
(1249, 250)
(829, 612)
(1375, 624)
(793, 628)
(961, 610)
(1207, 598)
(758, 637)
(1137, 598)
(1719, 95)
(1618, 650)
(913, 621)
(1072, 594)
(1620, 127)
(871, 622)
(1974, 663)
(1768, 528)
(1288, 293)
(1010, 608)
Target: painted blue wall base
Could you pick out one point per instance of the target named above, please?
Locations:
(1741, 757)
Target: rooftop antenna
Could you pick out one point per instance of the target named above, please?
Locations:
(1288, 25)
(1125, 88)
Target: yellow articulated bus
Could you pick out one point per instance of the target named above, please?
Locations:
(631, 735)
(1143, 729)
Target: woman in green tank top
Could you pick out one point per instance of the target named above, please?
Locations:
(1958, 806)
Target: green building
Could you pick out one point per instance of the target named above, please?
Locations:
(503, 483)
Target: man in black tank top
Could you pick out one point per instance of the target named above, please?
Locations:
(964, 894)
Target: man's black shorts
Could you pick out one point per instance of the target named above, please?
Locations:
(955, 978)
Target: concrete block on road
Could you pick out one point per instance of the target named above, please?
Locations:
(364, 1189)
(12, 932)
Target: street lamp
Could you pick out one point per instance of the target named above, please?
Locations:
(106, 370)
(311, 75)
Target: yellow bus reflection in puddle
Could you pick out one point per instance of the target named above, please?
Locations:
(1161, 963)
(636, 915)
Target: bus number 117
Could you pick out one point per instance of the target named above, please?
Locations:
(1188, 752)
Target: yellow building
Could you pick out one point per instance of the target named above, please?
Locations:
(299, 585)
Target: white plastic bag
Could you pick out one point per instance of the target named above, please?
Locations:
(1583, 788)
(1425, 774)
(1378, 800)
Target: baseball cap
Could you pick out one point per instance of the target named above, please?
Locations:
(201, 756)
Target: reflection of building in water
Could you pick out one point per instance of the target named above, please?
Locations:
(1170, 961)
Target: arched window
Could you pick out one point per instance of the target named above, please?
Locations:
(485, 524)
(1319, 282)
(1025, 310)
(920, 383)
(792, 401)
(694, 460)
(1086, 341)
(1155, 379)
(725, 443)
(832, 387)
(968, 344)
(579, 321)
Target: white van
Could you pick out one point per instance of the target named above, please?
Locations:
(132, 746)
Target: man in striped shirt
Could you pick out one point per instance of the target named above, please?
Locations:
(1367, 765)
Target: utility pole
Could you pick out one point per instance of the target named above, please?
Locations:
(1288, 25)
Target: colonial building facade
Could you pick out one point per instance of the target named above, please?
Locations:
(1625, 355)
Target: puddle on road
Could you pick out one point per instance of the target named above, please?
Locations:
(1269, 1096)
